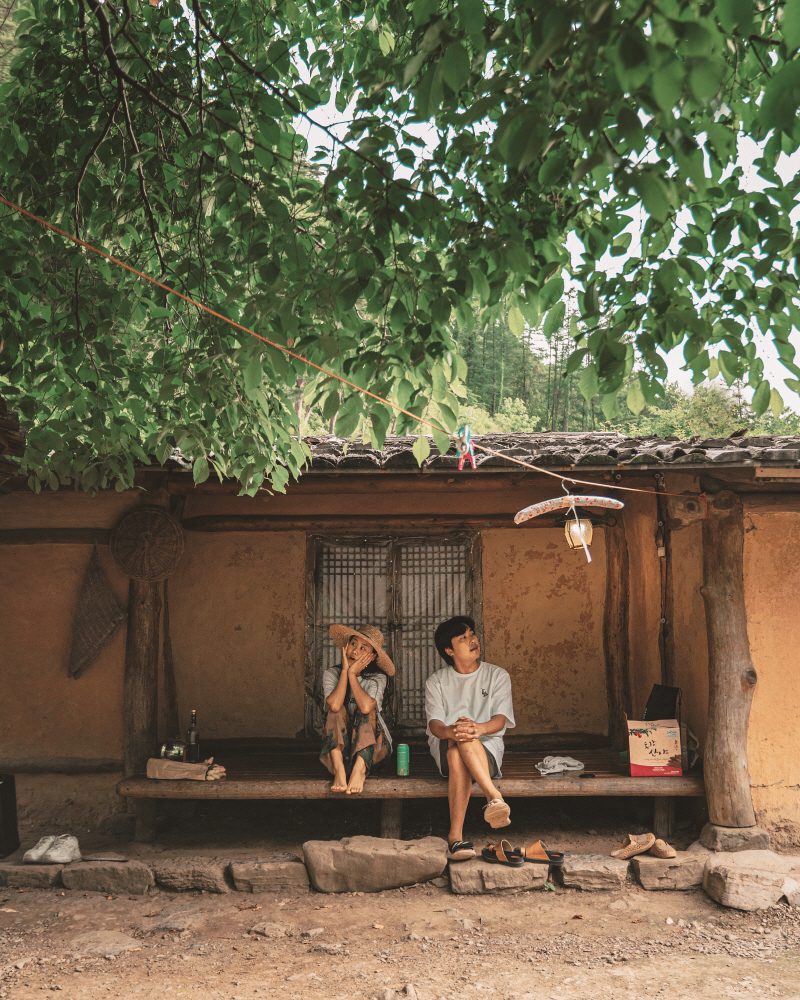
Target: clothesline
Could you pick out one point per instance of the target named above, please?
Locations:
(325, 371)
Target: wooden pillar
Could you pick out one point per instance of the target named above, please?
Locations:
(170, 723)
(391, 818)
(615, 634)
(140, 698)
(731, 676)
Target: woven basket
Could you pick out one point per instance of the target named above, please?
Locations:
(147, 544)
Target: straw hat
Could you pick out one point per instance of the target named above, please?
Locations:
(341, 636)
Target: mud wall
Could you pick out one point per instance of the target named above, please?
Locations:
(237, 617)
(543, 622)
(772, 593)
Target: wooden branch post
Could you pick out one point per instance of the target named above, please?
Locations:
(731, 676)
(615, 635)
(140, 700)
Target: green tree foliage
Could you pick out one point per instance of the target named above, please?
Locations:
(168, 135)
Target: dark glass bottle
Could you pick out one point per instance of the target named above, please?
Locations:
(192, 753)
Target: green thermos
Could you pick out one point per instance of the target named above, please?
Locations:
(402, 759)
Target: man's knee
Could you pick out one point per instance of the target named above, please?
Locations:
(454, 759)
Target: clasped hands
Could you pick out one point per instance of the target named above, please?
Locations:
(465, 730)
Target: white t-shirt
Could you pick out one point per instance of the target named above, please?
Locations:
(373, 684)
(479, 696)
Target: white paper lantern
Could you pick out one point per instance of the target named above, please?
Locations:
(578, 532)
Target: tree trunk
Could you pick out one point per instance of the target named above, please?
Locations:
(731, 676)
(615, 635)
(140, 698)
(170, 722)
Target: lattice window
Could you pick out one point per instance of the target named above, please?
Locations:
(404, 586)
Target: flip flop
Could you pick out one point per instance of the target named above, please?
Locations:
(538, 854)
(461, 850)
(634, 844)
(496, 813)
(502, 854)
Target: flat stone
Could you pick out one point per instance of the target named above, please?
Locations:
(183, 874)
(283, 874)
(752, 880)
(684, 871)
(29, 876)
(177, 920)
(697, 848)
(593, 872)
(477, 877)
(726, 838)
(132, 877)
(370, 864)
(273, 929)
(104, 943)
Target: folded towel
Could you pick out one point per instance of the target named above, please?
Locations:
(552, 765)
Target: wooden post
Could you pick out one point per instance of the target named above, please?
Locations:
(731, 677)
(615, 634)
(170, 723)
(391, 818)
(140, 698)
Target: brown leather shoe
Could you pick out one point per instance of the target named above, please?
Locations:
(634, 844)
(661, 849)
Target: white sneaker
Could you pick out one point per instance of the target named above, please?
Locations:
(63, 850)
(36, 852)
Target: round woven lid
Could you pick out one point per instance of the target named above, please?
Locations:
(147, 544)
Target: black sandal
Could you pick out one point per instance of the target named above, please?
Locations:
(502, 854)
(461, 850)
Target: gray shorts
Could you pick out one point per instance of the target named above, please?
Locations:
(443, 766)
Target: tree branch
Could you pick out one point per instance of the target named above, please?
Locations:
(88, 160)
(113, 61)
(142, 186)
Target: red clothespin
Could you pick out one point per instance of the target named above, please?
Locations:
(464, 448)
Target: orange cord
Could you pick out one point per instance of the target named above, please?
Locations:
(319, 368)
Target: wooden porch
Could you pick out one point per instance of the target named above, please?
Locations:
(290, 769)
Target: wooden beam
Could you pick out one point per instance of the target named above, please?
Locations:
(55, 536)
(140, 694)
(358, 523)
(391, 818)
(771, 503)
(731, 677)
(615, 634)
(170, 722)
(689, 785)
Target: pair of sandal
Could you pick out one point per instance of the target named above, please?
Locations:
(639, 843)
(515, 857)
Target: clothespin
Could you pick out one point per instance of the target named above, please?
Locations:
(464, 447)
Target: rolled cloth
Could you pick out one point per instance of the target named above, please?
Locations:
(551, 765)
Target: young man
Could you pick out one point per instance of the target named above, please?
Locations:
(468, 705)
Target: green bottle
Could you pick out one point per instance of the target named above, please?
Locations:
(402, 759)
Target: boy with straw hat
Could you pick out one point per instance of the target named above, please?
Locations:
(355, 737)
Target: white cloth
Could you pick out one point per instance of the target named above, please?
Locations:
(479, 696)
(373, 684)
(552, 765)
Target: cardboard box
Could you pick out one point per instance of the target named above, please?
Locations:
(654, 748)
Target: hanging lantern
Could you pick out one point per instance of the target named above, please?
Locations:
(578, 532)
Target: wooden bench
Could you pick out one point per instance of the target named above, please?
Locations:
(290, 769)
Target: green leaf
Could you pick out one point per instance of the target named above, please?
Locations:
(791, 24)
(610, 407)
(386, 41)
(421, 449)
(713, 368)
(442, 441)
(165, 26)
(734, 13)
(589, 383)
(635, 398)
(404, 392)
(652, 193)
(200, 470)
(782, 98)
(472, 15)
(553, 167)
(515, 322)
(761, 398)
(253, 374)
(776, 403)
(554, 320)
(480, 283)
(455, 66)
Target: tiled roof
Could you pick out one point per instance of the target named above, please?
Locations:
(563, 450)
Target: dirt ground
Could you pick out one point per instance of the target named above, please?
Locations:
(421, 941)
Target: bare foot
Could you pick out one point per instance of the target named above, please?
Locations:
(357, 778)
(339, 780)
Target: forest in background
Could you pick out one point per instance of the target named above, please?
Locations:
(517, 381)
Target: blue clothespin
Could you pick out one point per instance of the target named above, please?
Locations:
(464, 447)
